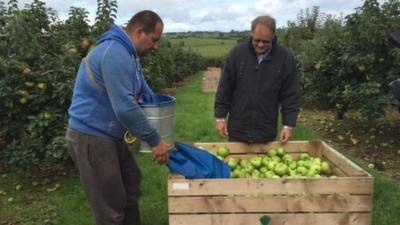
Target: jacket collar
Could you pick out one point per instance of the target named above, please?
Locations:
(270, 51)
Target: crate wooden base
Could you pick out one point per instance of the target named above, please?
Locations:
(276, 218)
(345, 200)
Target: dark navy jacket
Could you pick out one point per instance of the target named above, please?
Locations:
(251, 94)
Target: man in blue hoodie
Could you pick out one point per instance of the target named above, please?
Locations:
(109, 82)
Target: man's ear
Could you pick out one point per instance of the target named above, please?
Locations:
(138, 31)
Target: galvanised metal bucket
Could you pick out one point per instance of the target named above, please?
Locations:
(160, 111)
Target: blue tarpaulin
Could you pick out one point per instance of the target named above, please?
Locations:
(195, 163)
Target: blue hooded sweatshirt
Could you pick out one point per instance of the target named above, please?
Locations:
(105, 106)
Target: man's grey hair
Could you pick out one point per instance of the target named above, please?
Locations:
(266, 20)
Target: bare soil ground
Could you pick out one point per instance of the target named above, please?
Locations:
(211, 79)
(375, 142)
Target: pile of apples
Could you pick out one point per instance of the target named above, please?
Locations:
(275, 164)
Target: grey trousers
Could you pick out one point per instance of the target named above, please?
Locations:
(110, 177)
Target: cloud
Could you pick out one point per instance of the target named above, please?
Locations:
(209, 15)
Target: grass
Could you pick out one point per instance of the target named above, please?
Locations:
(37, 205)
(207, 47)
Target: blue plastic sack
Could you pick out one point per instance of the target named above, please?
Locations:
(194, 163)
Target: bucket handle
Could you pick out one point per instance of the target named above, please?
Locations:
(129, 138)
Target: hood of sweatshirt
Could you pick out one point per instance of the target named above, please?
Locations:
(118, 34)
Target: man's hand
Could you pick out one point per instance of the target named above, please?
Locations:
(286, 134)
(222, 129)
(160, 153)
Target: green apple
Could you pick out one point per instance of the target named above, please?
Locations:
(271, 153)
(249, 168)
(73, 51)
(42, 86)
(281, 169)
(263, 169)
(255, 174)
(301, 170)
(23, 100)
(271, 164)
(18, 187)
(307, 164)
(241, 174)
(29, 84)
(269, 174)
(317, 161)
(243, 162)
(232, 163)
(371, 166)
(265, 161)
(47, 115)
(223, 152)
(310, 173)
(287, 158)
(292, 165)
(280, 151)
(325, 168)
(276, 158)
(315, 168)
(256, 162)
(292, 172)
(26, 71)
(304, 156)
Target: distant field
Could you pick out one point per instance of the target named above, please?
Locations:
(207, 46)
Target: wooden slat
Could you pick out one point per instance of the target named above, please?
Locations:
(175, 176)
(237, 147)
(350, 168)
(271, 203)
(336, 170)
(276, 219)
(339, 185)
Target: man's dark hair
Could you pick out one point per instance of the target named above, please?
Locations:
(146, 19)
(266, 20)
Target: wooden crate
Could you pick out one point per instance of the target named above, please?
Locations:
(344, 200)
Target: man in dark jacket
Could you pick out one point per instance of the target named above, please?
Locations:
(395, 85)
(259, 79)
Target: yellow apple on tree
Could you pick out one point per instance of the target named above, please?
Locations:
(27, 71)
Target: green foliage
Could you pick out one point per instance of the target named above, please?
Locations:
(214, 50)
(348, 65)
(171, 65)
(105, 16)
(39, 58)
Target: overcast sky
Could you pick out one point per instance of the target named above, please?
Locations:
(210, 15)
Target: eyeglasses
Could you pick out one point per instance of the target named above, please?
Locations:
(265, 42)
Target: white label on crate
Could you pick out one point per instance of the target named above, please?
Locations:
(180, 186)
